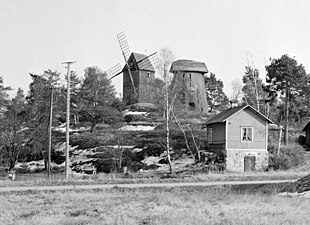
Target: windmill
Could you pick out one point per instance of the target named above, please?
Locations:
(138, 73)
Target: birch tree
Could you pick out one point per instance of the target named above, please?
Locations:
(165, 60)
(252, 87)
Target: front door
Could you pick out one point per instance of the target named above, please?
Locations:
(249, 163)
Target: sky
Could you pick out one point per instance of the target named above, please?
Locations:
(37, 35)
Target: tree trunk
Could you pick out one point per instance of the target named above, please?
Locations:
(168, 134)
(13, 158)
(167, 128)
(256, 94)
(279, 142)
(11, 164)
(286, 115)
(92, 127)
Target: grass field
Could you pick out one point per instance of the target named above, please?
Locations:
(40, 179)
(179, 206)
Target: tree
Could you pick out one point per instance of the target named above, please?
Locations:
(3, 94)
(96, 98)
(39, 110)
(13, 134)
(61, 99)
(252, 87)
(172, 103)
(216, 97)
(287, 79)
(236, 87)
(165, 60)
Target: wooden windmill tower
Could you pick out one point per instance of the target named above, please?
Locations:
(190, 74)
(138, 74)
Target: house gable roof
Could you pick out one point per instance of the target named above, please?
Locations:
(188, 66)
(306, 127)
(224, 115)
(139, 61)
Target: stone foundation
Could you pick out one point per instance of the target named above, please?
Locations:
(235, 160)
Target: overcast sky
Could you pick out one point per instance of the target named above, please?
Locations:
(41, 34)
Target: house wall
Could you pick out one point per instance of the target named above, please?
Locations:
(218, 138)
(235, 160)
(196, 90)
(146, 86)
(218, 133)
(308, 136)
(237, 150)
(246, 118)
(128, 93)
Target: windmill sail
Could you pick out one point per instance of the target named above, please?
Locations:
(114, 71)
(122, 40)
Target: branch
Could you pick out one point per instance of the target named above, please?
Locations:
(197, 149)
(183, 132)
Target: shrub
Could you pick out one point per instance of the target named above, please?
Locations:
(290, 156)
(281, 162)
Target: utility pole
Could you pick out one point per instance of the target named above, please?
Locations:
(50, 137)
(68, 119)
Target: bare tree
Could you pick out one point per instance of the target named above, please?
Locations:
(253, 86)
(165, 60)
(236, 87)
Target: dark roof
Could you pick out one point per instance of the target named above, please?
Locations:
(189, 66)
(224, 115)
(139, 61)
(307, 125)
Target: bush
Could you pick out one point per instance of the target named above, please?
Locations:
(290, 156)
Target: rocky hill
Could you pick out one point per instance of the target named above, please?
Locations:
(138, 143)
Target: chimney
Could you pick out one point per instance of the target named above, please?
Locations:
(233, 103)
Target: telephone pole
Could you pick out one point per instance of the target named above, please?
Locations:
(50, 136)
(68, 119)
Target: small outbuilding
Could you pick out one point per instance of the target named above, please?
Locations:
(307, 130)
(241, 135)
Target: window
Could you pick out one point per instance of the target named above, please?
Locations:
(246, 134)
(210, 134)
(191, 105)
(148, 74)
(182, 97)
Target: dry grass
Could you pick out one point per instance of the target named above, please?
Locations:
(40, 179)
(217, 205)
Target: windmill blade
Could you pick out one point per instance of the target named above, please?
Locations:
(115, 75)
(124, 45)
(153, 55)
(148, 62)
(126, 52)
(114, 71)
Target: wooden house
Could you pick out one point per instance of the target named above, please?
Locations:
(241, 135)
(307, 130)
(143, 75)
(190, 75)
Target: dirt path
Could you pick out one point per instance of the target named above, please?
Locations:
(141, 185)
